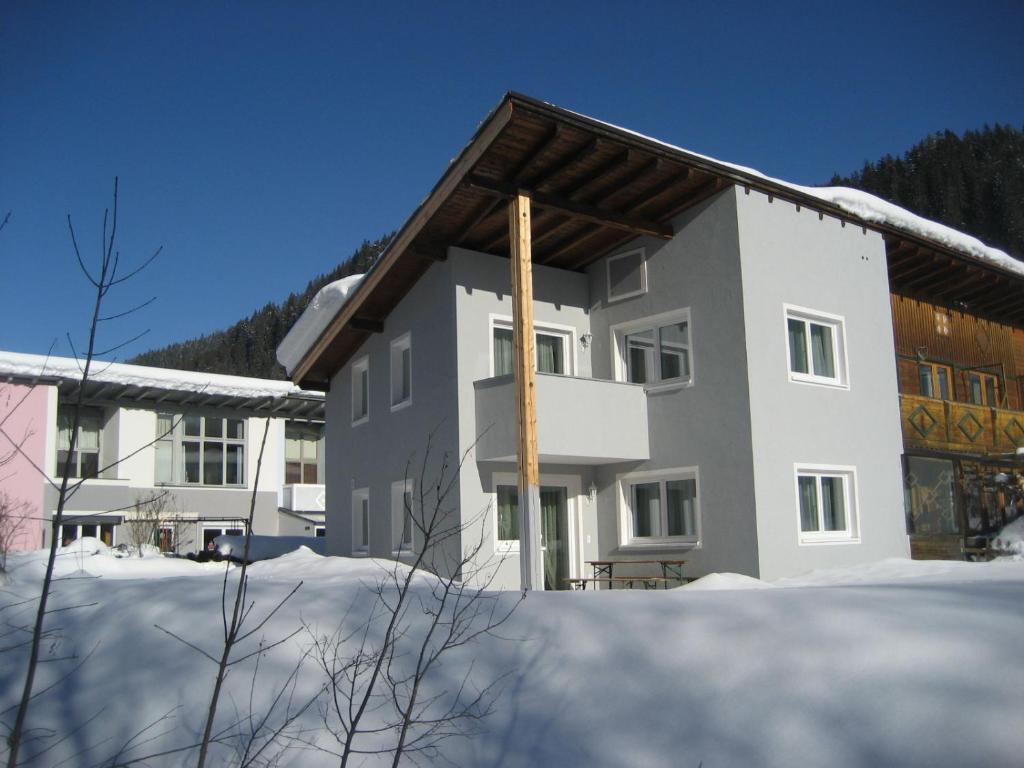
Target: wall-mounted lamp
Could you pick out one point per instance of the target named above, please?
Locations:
(592, 491)
(586, 339)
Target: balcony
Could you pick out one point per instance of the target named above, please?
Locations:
(944, 425)
(579, 421)
(304, 498)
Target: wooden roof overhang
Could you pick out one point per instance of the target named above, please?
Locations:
(593, 187)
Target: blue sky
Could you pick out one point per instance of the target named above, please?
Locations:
(259, 143)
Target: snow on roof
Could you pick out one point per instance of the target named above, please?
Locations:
(33, 366)
(314, 319)
(868, 208)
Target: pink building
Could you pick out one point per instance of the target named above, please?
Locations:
(24, 414)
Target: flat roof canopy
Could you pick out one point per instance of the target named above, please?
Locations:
(593, 187)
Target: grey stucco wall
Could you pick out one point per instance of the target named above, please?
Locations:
(483, 288)
(793, 256)
(377, 453)
(706, 425)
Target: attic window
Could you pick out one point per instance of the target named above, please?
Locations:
(627, 275)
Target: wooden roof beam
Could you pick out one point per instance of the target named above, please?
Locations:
(708, 189)
(573, 188)
(628, 180)
(367, 324)
(567, 244)
(561, 165)
(657, 190)
(549, 137)
(579, 210)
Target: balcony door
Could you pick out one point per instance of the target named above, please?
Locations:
(554, 544)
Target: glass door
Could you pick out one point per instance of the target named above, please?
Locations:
(554, 515)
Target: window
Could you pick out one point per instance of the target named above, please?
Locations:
(816, 347)
(984, 388)
(360, 391)
(627, 275)
(552, 344)
(211, 532)
(660, 507)
(401, 515)
(194, 449)
(361, 520)
(935, 380)
(302, 453)
(508, 515)
(942, 327)
(73, 531)
(85, 459)
(401, 372)
(825, 502)
(655, 351)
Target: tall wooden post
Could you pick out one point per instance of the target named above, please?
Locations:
(531, 563)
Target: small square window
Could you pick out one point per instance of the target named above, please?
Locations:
(826, 504)
(662, 508)
(627, 275)
(655, 351)
(401, 372)
(361, 391)
(816, 347)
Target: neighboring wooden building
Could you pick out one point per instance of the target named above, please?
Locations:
(959, 336)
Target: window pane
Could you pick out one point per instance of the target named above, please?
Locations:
(292, 449)
(364, 393)
(508, 513)
(62, 459)
(164, 425)
(191, 451)
(833, 504)
(235, 464)
(309, 474)
(808, 491)
(89, 433)
(944, 383)
(90, 464)
(625, 275)
(236, 429)
(407, 518)
(406, 373)
(292, 472)
(213, 463)
(924, 373)
(502, 351)
(365, 517)
(797, 346)
(990, 391)
(550, 354)
(193, 426)
(975, 382)
(821, 350)
(640, 356)
(214, 427)
(164, 461)
(673, 341)
(681, 500)
(646, 509)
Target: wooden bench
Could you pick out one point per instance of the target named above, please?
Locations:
(625, 582)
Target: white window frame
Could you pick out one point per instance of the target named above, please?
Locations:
(566, 332)
(848, 473)
(358, 368)
(358, 496)
(643, 274)
(624, 502)
(837, 323)
(175, 440)
(620, 365)
(398, 490)
(399, 345)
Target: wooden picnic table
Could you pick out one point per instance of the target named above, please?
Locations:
(672, 570)
(628, 582)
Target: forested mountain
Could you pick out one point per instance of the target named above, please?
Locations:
(248, 347)
(974, 183)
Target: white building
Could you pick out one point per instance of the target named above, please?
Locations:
(191, 438)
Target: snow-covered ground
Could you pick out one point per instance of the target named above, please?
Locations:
(897, 663)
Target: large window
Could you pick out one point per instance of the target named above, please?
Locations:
(656, 350)
(627, 275)
(816, 347)
(401, 372)
(361, 520)
(302, 453)
(935, 380)
(195, 449)
(401, 515)
(361, 391)
(826, 504)
(553, 348)
(660, 507)
(85, 459)
(508, 515)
